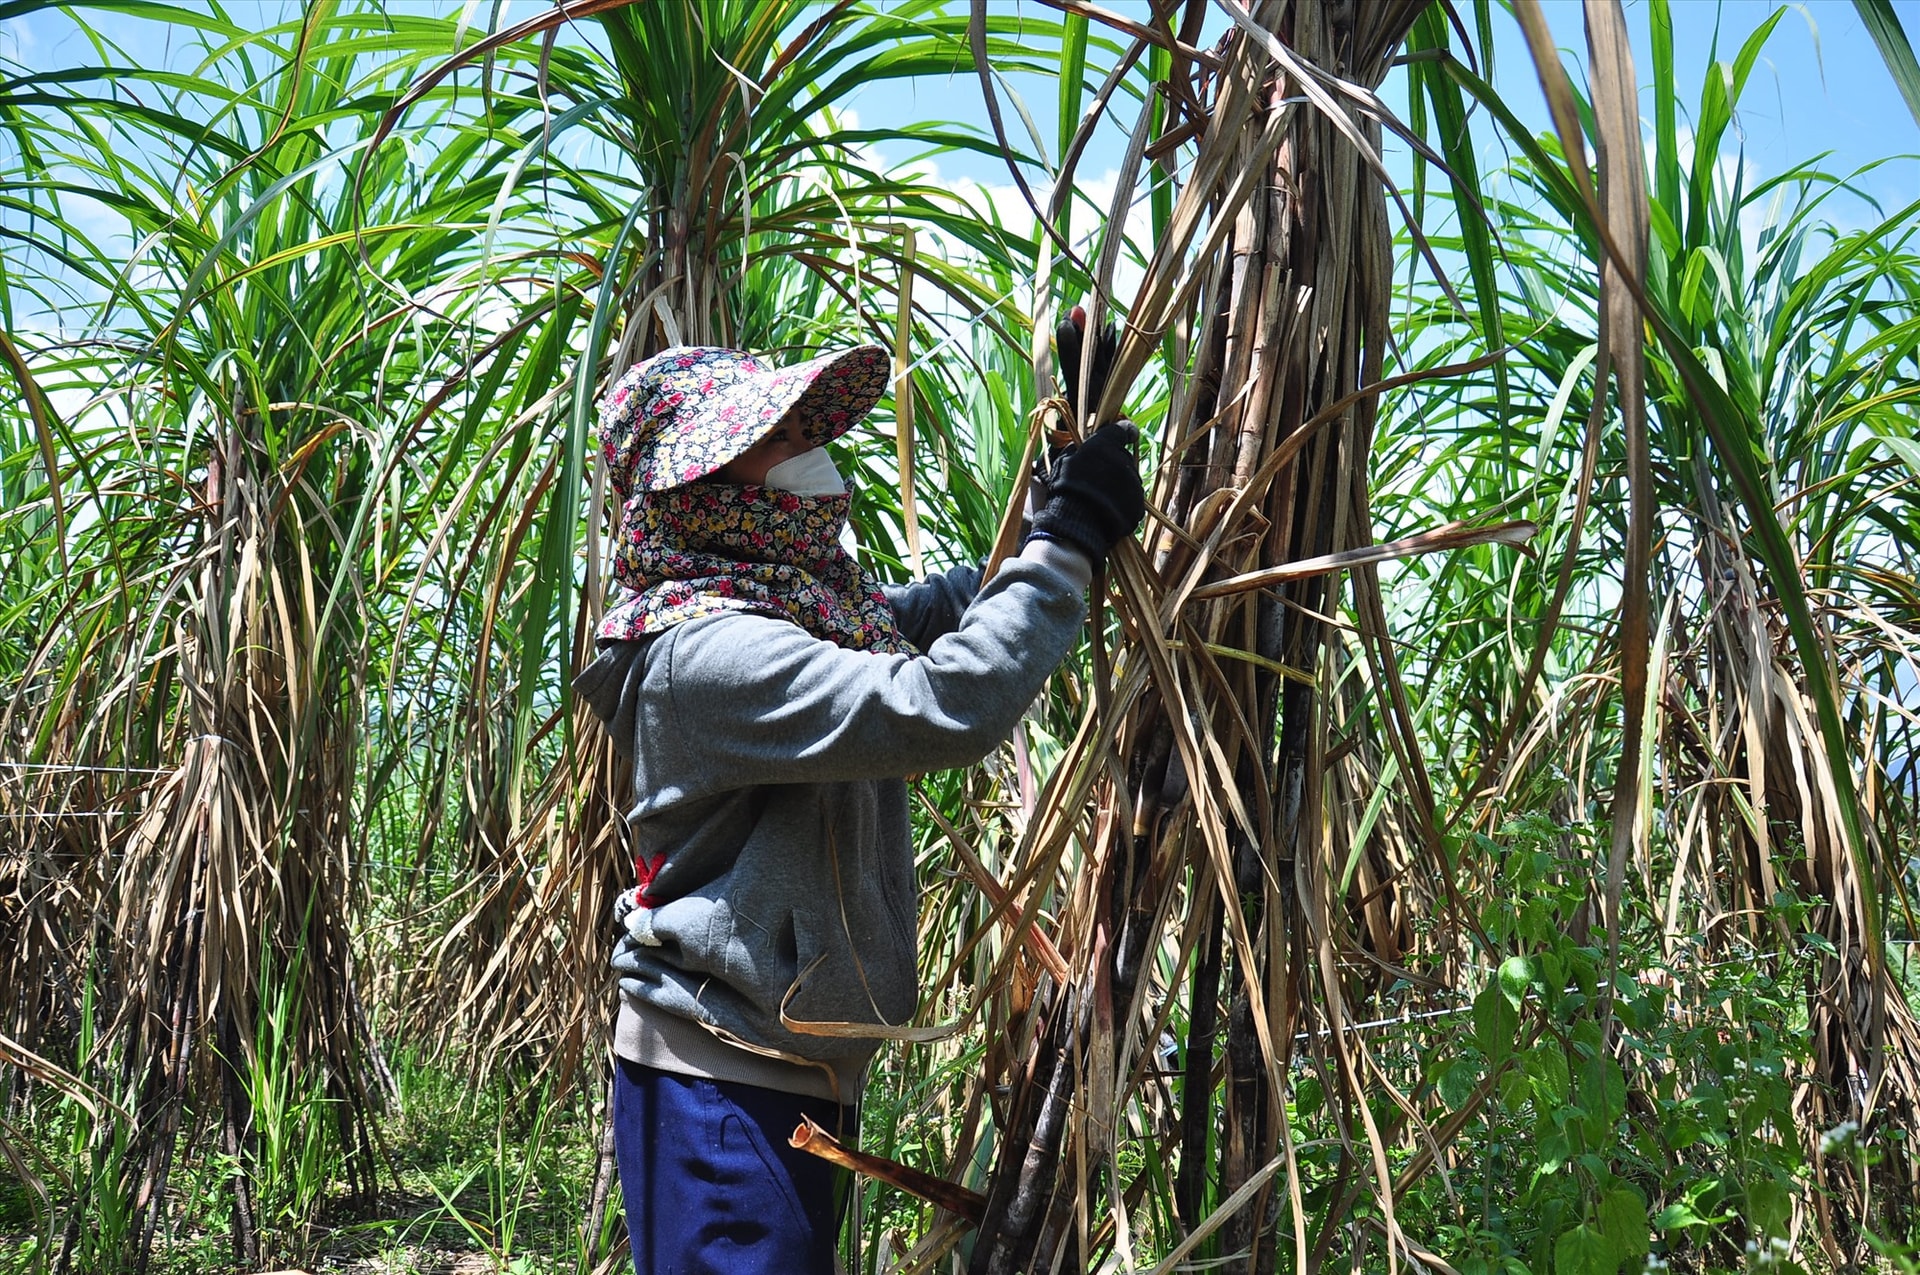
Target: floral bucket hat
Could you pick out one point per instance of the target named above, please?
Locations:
(685, 412)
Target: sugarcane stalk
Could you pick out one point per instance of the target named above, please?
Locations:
(951, 1196)
(1016, 1200)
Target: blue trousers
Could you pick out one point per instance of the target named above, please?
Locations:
(710, 1184)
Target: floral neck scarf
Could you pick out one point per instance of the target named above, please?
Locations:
(708, 548)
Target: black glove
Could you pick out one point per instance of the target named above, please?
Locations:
(1094, 495)
(1070, 337)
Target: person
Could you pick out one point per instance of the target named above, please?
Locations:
(772, 698)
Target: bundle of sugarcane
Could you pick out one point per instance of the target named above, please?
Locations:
(1203, 753)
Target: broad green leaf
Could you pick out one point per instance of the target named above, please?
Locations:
(1546, 1066)
(1495, 1023)
(1677, 1215)
(1582, 1251)
(1516, 974)
(1623, 1223)
(1769, 1207)
(1458, 1081)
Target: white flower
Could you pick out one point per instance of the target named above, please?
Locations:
(1839, 1138)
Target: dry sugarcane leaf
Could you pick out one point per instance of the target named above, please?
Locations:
(1455, 535)
(1623, 202)
(1553, 81)
(1042, 947)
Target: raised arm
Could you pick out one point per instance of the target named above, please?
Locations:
(759, 699)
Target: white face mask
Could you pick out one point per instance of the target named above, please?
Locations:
(811, 473)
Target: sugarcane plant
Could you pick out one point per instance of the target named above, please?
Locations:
(236, 475)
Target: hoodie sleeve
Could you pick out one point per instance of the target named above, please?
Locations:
(932, 608)
(751, 699)
(612, 686)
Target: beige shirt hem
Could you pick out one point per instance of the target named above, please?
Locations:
(667, 1043)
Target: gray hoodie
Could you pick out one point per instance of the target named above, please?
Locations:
(771, 815)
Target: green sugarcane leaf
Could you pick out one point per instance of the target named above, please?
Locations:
(1883, 24)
